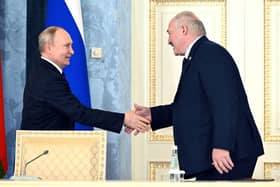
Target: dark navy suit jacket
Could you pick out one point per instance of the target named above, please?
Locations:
(49, 104)
(210, 110)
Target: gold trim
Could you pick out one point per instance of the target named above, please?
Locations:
(152, 50)
(96, 138)
(157, 165)
(159, 137)
(268, 166)
(267, 73)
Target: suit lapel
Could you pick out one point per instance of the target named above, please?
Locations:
(185, 66)
(187, 62)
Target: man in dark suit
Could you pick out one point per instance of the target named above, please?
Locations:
(214, 129)
(48, 102)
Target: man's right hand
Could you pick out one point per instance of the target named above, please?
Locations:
(222, 160)
(143, 111)
(136, 122)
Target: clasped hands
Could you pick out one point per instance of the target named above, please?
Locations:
(138, 120)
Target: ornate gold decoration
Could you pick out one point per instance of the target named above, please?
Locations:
(73, 155)
(152, 50)
(154, 165)
(267, 71)
(268, 166)
(160, 137)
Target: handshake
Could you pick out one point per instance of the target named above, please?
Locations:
(138, 120)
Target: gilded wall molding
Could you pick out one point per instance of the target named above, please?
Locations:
(267, 71)
(268, 167)
(154, 166)
(154, 4)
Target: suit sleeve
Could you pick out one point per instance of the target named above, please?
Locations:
(221, 82)
(60, 97)
(161, 116)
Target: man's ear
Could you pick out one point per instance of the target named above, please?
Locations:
(48, 46)
(184, 30)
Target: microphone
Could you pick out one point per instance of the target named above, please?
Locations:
(24, 177)
(27, 163)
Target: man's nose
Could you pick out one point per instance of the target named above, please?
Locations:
(72, 51)
(169, 41)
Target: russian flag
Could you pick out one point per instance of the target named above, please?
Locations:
(67, 14)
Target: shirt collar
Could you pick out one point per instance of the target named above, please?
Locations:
(52, 63)
(190, 47)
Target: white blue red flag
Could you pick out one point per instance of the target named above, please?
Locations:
(67, 14)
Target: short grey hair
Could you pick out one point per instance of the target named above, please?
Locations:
(47, 36)
(189, 19)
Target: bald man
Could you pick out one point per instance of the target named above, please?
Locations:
(214, 129)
